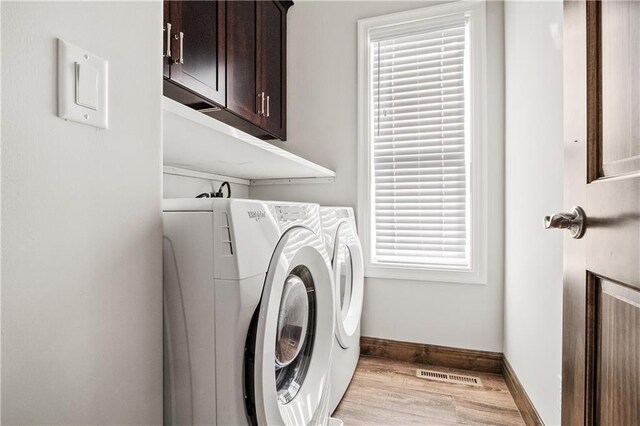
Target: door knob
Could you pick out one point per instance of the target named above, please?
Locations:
(575, 221)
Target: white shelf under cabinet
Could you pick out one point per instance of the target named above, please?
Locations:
(196, 142)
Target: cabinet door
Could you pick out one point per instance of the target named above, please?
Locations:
(242, 65)
(198, 48)
(166, 40)
(273, 27)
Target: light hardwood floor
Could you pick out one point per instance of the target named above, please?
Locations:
(386, 392)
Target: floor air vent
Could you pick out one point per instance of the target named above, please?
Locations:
(448, 378)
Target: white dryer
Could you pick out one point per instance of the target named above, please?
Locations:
(343, 246)
(248, 313)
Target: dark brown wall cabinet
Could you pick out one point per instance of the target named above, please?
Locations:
(228, 60)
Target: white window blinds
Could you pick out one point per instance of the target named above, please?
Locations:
(419, 165)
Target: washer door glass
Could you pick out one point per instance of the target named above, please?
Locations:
(292, 321)
(294, 338)
(345, 267)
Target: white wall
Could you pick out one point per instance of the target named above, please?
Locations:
(188, 187)
(534, 170)
(322, 127)
(81, 221)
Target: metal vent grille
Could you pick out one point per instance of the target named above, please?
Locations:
(448, 378)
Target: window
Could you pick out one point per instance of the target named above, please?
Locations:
(422, 184)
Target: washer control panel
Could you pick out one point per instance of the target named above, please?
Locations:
(289, 213)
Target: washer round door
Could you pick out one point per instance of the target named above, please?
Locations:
(286, 373)
(348, 276)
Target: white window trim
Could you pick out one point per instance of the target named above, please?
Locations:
(477, 273)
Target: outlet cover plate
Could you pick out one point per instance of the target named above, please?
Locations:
(71, 59)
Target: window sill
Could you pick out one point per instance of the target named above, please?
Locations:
(426, 275)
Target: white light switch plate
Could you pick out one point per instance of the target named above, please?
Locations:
(82, 86)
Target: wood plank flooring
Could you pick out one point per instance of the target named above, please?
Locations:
(387, 392)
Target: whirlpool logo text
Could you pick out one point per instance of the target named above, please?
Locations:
(257, 215)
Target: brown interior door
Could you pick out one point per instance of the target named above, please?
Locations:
(601, 313)
(273, 28)
(198, 47)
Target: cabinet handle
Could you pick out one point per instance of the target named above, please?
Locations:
(268, 106)
(262, 103)
(181, 47)
(168, 30)
(181, 38)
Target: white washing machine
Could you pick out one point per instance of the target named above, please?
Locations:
(248, 313)
(343, 246)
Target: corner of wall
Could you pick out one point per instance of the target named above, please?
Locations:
(533, 258)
